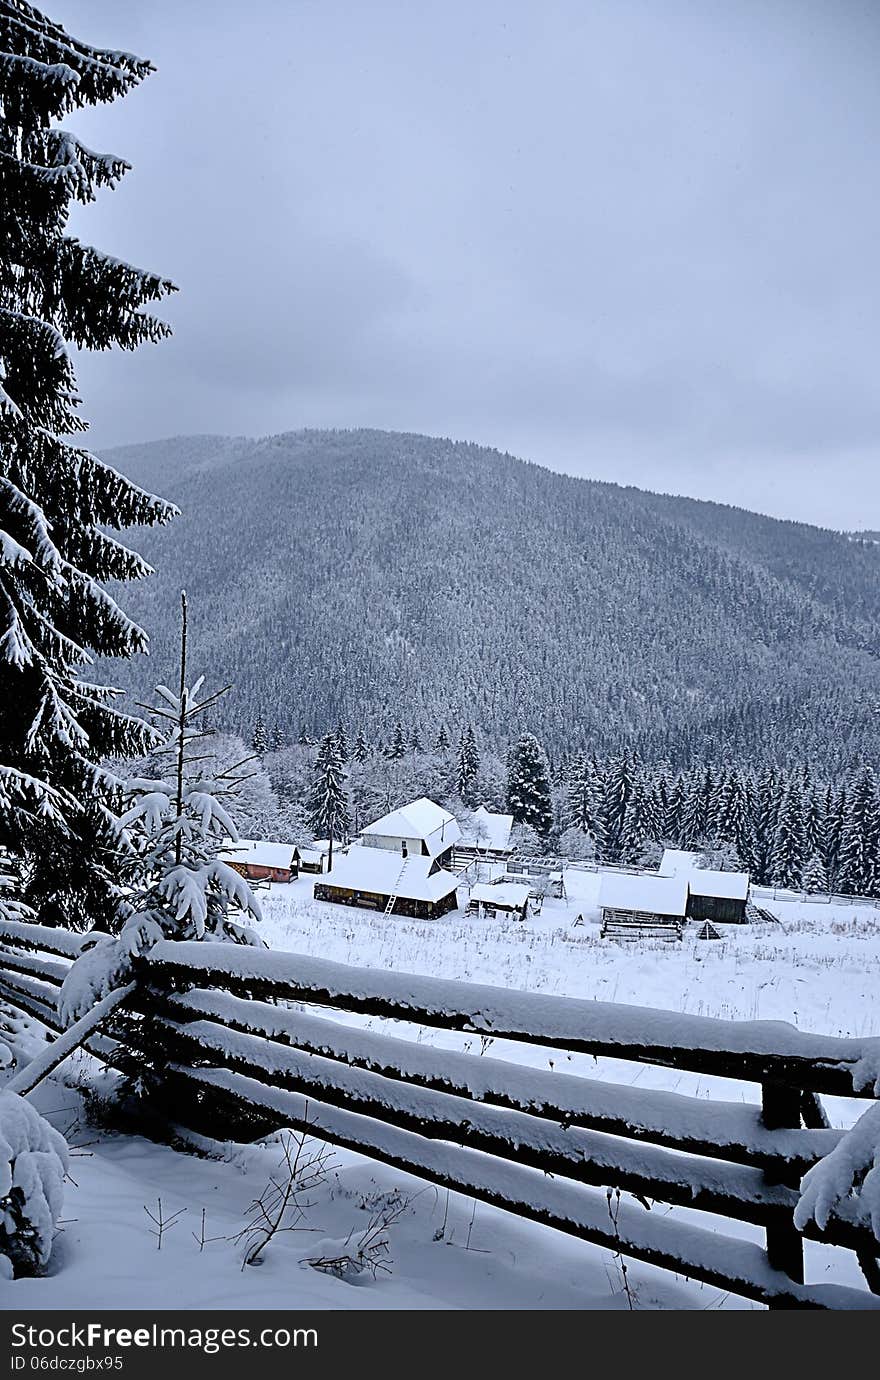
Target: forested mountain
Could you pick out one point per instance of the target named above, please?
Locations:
(365, 577)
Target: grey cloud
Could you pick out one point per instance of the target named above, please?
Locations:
(624, 239)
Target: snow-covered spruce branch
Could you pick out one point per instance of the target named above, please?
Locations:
(847, 1180)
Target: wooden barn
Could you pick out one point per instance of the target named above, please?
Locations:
(313, 857)
(261, 861)
(721, 897)
(494, 899)
(391, 881)
(712, 895)
(643, 905)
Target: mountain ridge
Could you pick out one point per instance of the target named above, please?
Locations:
(596, 614)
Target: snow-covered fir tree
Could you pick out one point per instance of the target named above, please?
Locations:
(58, 502)
(260, 738)
(397, 746)
(441, 742)
(789, 848)
(175, 884)
(580, 798)
(342, 744)
(815, 877)
(859, 840)
(528, 786)
(327, 803)
(617, 788)
(467, 765)
(361, 747)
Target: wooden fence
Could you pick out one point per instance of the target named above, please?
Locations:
(247, 1040)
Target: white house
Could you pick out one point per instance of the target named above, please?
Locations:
(421, 827)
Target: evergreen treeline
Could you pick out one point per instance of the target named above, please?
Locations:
(786, 827)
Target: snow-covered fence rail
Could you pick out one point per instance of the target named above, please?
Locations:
(235, 1053)
(837, 898)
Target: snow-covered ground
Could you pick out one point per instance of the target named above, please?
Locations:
(818, 968)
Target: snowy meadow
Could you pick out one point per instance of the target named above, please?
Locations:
(817, 968)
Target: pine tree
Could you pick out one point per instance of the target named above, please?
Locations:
(327, 803)
(342, 744)
(305, 739)
(361, 747)
(674, 806)
(618, 788)
(467, 765)
(836, 805)
(857, 861)
(178, 819)
(766, 812)
(397, 746)
(815, 878)
(441, 742)
(528, 786)
(415, 741)
(633, 833)
(57, 804)
(260, 739)
(815, 823)
(789, 848)
(580, 806)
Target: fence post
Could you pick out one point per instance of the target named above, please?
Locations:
(781, 1107)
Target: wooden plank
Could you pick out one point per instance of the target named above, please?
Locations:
(740, 1267)
(98, 1045)
(781, 1108)
(54, 1054)
(753, 1051)
(590, 1157)
(45, 968)
(725, 1130)
(66, 943)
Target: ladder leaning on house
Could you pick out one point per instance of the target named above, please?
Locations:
(392, 900)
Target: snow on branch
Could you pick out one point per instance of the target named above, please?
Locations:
(178, 817)
(847, 1181)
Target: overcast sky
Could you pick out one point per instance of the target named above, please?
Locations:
(631, 239)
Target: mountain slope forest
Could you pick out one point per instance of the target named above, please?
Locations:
(366, 577)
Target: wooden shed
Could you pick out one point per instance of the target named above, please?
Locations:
(492, 899)
(718, 896)
(259, 860)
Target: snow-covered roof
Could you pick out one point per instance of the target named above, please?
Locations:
(504, 894)
(676, 860)
(259, 853)
(420, 819)
(487, 830)
(311, 855)
(653, 894)
(388, 874)
(704, 881)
